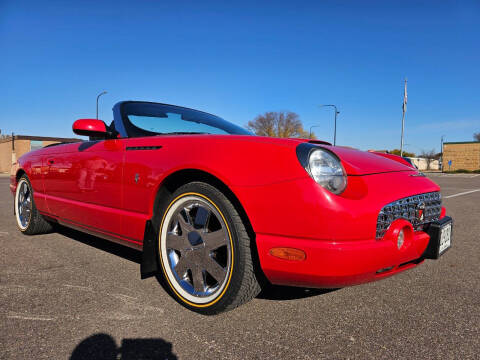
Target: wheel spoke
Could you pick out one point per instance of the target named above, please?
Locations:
(214, 269)
(214, 240)
(175, 241)
(182, 266)
(198, 280)
(185, 226)
(24, 189)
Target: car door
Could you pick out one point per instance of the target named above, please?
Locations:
(83, 184)
(143, 170)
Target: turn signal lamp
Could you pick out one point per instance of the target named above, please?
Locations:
(287, 253)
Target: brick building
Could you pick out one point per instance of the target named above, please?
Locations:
(463, 155)
(12, 147)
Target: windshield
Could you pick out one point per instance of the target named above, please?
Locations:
(151, 119)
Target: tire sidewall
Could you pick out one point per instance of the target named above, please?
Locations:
(226, 209)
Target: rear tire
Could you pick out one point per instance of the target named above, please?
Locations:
(205, 251)
(29, 220)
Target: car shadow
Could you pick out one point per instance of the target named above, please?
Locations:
(101, 244)
(269, 291)
(278, 292)
(103, 347)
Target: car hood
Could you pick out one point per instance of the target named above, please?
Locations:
(358, 162)
(355, 162)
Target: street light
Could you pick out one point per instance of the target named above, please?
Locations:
(311, 127)
(98, 96)
(335, 129)
(442, 139)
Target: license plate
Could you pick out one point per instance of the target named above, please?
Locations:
(440, 238)
(445, 238)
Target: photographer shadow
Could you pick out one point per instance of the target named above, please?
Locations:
(103, 347)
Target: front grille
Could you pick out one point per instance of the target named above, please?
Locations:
(410, 209)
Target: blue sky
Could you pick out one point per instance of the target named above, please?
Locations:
(240, 59)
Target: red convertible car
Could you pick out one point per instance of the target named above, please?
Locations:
(217, 212)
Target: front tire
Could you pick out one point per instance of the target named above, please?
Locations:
(204, 251)
(29, 220)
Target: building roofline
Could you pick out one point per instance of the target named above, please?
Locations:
(462, 142)
(39, 138)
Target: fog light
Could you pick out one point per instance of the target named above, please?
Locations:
(400, 239)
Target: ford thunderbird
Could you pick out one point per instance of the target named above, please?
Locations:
(218, 212)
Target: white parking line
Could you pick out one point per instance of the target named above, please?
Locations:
(31, 317)
(457, 175)
(462, 193)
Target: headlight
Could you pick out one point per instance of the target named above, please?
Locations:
(324, 167)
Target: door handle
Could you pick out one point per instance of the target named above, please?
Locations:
(51, 161)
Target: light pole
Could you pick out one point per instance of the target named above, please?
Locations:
(98, 96)
(442, 139)
(335, 129)
(311, 127)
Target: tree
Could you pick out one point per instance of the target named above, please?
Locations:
(397, 152)
(278, 124)
(430, 156)
(476, 136)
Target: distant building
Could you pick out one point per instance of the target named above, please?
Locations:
(425, 164)
(11, 148)
(420, 163)
(461, 155)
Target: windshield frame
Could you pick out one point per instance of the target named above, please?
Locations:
(122, 109)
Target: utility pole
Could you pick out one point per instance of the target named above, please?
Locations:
(98, 96)
(404, 110)
(335, 128)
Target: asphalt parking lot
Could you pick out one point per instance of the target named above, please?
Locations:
(70, 295)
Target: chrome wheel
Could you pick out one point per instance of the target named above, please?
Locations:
(196, 248)
(23, 204)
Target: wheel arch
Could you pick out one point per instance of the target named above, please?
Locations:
(172, 182)
(20, 172)
(13, 185)
(15, 176)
